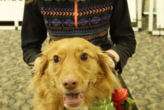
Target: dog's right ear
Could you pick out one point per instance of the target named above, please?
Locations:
(40, 65)
(38, 70)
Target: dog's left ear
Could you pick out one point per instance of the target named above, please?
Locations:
(104, 64)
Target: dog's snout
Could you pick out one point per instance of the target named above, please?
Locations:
(70, 83)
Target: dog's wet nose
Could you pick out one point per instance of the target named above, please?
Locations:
(70, 83)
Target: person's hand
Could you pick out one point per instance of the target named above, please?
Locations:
(113, 59)
(37, 61)
(111, 63)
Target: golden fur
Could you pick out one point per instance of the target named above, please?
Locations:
(93, 74)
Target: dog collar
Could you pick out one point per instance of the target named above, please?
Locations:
(106, 104)
(119, 101)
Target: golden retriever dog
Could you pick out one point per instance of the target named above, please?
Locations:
(72, 74)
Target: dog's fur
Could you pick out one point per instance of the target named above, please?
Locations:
(95, 80)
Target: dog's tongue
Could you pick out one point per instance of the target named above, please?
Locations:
(73, 100)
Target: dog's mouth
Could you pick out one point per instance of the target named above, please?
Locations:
(74, 99)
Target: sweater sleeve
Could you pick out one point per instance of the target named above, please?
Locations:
(122, 33)
(33, 32)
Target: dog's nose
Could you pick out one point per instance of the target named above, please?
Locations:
(70, 83)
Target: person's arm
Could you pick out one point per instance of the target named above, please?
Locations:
(122, 33)
(33, 32)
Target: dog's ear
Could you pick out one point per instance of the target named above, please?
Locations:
(105, 66)
(38, 70)
(40, 65)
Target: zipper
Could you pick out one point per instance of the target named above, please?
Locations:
(76, 12)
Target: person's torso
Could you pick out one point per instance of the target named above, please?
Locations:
(93, 20)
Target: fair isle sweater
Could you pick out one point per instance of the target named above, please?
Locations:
(102, 22)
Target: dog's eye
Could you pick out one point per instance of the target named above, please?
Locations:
(84, 57)
(56, 59)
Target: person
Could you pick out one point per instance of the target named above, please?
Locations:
(105, 23)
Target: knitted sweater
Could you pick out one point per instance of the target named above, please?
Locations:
(102, 22)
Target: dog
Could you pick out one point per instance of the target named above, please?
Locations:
(72, 74)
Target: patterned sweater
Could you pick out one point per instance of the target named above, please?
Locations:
(102, 22)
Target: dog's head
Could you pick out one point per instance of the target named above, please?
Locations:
(75, 68)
